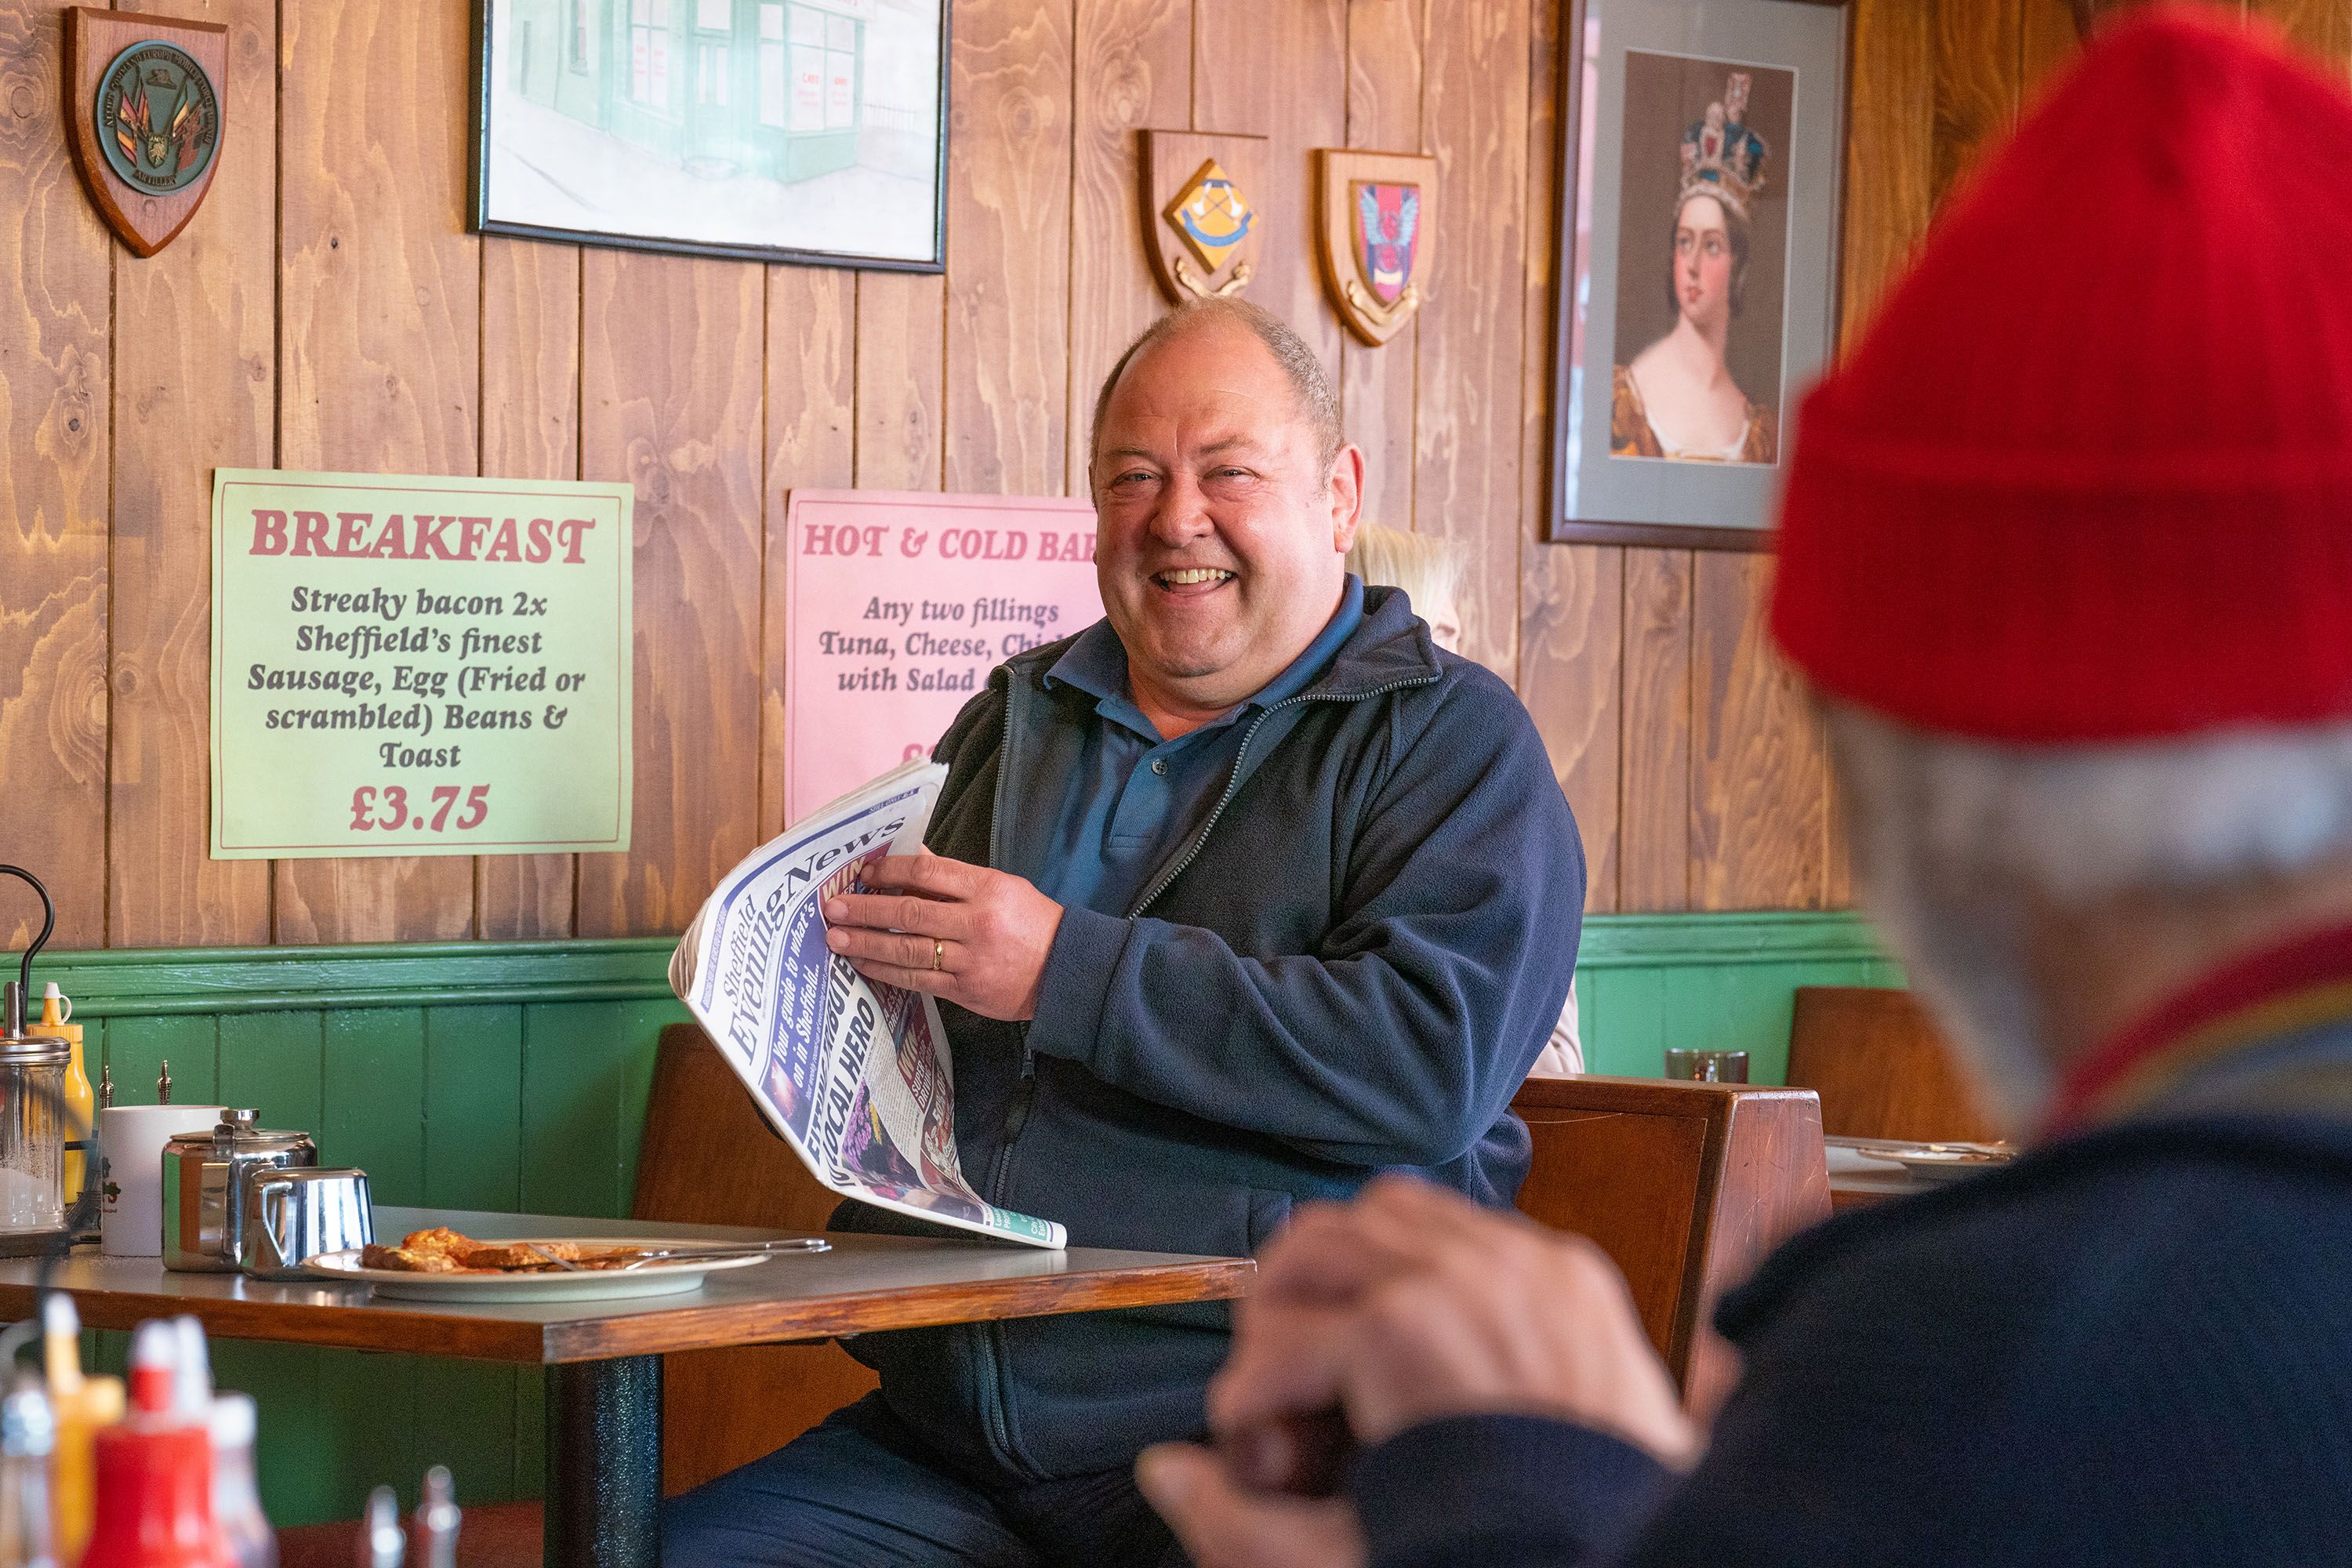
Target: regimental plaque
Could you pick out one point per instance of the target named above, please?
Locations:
(147, 101)
(1374, 228)
(1202, 225)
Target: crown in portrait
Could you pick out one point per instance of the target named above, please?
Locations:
(1721, 156)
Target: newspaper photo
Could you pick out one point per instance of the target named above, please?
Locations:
(856, 1076)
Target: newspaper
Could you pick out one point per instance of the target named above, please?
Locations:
(856, 1076)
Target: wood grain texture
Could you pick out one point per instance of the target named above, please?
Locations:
(1466, 481)
(2047, 40)
(1655, 849)
(1977, 60)
(1131, 72)
(1880, 1067)
(55, 390)
(672, 397)
(901, 337)
(1756, 765)
(530, 430)
(1008, 353)
(811, 442)
(2322, 26)
(1377, 384)
(865, 1284)
(194, 388)
(380, 335)
(1571, 642)
(1687, 1186)
(1890, 158)
(1278, 72)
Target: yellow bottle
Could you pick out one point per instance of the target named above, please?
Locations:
(82, 1104)
(83, 1404)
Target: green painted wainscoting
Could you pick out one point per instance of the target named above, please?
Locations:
(513, 1075)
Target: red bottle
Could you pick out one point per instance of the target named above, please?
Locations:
(154, 1474)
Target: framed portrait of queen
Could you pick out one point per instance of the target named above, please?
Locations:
(1696, 297)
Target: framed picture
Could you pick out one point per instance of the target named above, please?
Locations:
(1701, 152)
(806, 130)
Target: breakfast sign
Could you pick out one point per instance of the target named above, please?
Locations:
(407, 666)
(898, 604)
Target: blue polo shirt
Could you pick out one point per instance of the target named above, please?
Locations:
(1133, 798)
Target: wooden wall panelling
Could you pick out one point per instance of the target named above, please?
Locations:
(1572, 597)
(1979, 54)
(1131, 72)
(380, 336)
(812, 368)
(1278, 70)
(1890, 157)
(530, 430)
(1653, 833)
(1466, 480)
(195, 387)
(55, 257)
(1376, 385)
(2047, 40)
(1007, 346)
(672, 402)
(901, 334)
(2322, 26)
(1758, 770)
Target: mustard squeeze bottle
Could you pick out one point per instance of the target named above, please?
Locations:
(82, 1103)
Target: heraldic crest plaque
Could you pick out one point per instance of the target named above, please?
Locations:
(1374, 226)
(1201, 223)
(145, 97)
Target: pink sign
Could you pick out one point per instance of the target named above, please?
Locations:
(897, 606)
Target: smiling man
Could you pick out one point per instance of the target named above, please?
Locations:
(1240, 896)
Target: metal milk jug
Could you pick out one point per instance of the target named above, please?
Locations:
(292, 1216)
(206, 1175)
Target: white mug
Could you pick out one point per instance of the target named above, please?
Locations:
(130, 1171)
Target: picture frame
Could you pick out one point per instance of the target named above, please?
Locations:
(807, 131)
(1700, 174)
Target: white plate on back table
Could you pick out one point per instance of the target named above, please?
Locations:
(668, 1277)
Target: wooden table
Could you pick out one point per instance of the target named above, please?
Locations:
(604, 1386)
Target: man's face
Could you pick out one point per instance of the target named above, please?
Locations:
(1222, 536)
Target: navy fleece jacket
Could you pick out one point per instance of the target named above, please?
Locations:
(1350, 968)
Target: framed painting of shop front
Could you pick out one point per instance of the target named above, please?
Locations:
(802, 131)
(1700, 157)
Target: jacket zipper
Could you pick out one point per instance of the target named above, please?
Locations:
(1234, 781)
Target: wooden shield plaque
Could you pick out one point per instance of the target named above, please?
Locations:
(144, 97)
(1375, 226)
(1202, 225)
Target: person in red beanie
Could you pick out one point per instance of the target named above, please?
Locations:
(2080, 626)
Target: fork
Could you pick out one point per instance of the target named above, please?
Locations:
(565, 1264)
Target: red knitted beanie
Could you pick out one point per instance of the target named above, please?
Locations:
(2088, 477)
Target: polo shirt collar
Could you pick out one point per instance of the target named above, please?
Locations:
(1095, 664)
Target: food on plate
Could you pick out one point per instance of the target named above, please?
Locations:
(441, 1250)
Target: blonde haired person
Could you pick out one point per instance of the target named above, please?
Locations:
(1430, 568)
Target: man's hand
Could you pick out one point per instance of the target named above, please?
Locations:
(1413, 1303)
(1225, 1525)
(1410, 1304)
(972, 936)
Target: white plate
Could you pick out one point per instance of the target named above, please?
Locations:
(1940, 1162)
(665, 1278)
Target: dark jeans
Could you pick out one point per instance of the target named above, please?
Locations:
(864, 1491)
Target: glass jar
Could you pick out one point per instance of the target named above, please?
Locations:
(32, 1134)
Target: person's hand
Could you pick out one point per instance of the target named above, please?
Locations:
(1412, 1303)
(964, 933)
(1223, 1524)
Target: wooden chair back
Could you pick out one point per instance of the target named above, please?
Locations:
(1880, 1067)
(1687, 1186)
(709, 1159)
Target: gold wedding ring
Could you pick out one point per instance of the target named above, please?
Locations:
(938, 953)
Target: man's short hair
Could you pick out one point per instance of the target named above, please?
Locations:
(1318, 405)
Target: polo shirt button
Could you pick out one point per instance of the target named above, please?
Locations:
(1160, 766)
